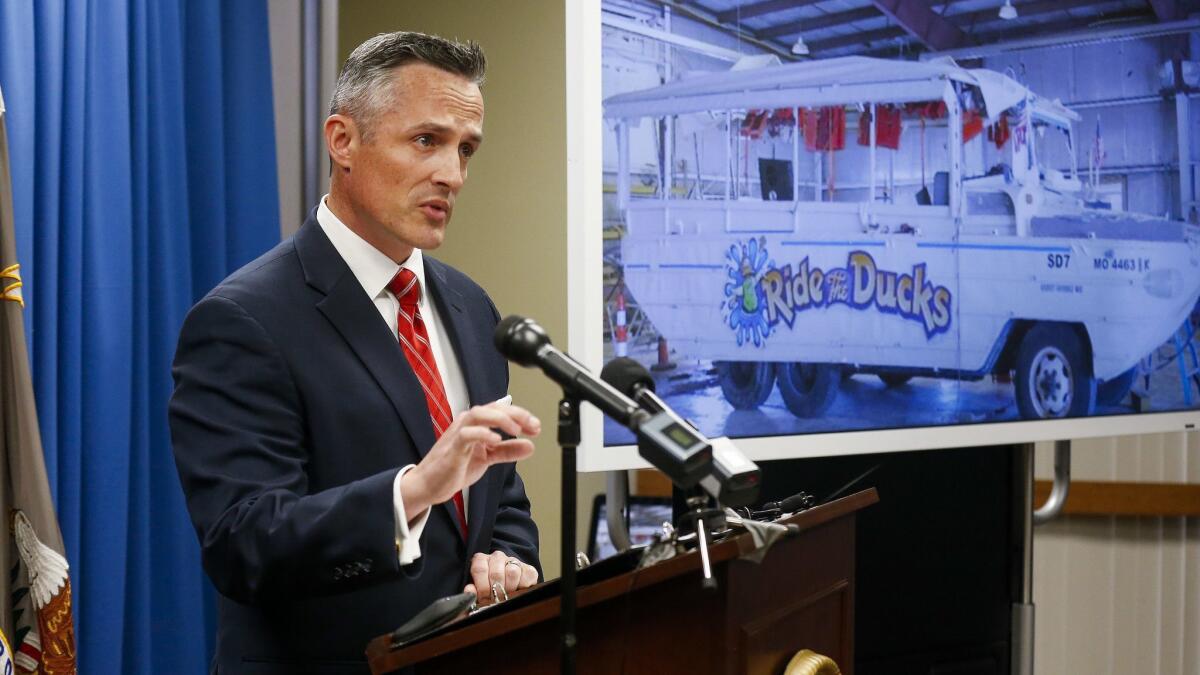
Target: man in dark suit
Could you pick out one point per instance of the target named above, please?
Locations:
(339, 407)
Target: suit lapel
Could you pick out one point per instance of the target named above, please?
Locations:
(354, 316)
(463, 333)
(468, 347)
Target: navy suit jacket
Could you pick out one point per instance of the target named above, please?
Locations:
(293, 409)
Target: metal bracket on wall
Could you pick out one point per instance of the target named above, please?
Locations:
(616, 496)
(1062, 485)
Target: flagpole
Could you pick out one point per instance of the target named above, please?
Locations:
(37, 611)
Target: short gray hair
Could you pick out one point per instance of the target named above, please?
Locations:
(364, 87)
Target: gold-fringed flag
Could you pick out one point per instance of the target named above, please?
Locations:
(35, 588)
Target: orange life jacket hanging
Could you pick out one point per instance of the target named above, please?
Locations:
(999, 132)
(755, 123)
(972, 124)
(772, 122)
(824, 128)
(887, 127)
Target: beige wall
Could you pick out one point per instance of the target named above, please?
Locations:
(509, 230)
(287, 67)
(285, 21)
(1120, 595)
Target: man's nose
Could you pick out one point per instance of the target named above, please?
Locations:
(450, 170)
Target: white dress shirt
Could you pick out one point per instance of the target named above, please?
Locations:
(374, 270)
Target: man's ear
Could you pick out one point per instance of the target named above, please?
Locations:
(341, 140)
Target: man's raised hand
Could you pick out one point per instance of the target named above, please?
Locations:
(464, 452)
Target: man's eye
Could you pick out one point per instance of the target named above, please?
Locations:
(468, 150)
(424, 140)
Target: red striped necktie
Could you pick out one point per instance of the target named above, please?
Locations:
(414, 341)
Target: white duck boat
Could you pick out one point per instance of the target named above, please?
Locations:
(1007, 270)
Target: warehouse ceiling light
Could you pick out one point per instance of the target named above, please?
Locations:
(1008, 12)
(800, 49)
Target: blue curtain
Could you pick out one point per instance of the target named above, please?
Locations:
(143, 159)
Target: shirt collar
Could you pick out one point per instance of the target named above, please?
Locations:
(370, 266)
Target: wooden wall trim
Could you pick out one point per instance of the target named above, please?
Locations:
(1085, 498)
(651, 483)
(1102, 498)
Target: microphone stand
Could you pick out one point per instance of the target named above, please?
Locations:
(568, 439)
(700, 518)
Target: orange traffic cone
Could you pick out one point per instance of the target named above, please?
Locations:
(664, 356)
(620, 330)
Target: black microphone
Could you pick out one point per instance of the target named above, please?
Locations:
(525, 343)
(733, 479)
(797, 502)
(632, 379)
(664, 440)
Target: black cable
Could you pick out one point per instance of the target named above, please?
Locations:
(838, 492)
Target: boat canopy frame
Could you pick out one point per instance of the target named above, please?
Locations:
(846, 81)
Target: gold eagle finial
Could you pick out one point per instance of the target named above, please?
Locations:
(10, 284)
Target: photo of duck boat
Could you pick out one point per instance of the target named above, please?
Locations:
(788, 262)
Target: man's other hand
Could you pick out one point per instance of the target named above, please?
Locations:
(498, 568)
(465, 451)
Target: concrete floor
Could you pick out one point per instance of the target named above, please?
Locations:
(864, 402)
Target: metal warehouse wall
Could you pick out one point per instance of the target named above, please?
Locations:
(1118, 84)
(1115, 84)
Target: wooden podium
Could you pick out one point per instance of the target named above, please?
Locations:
(659, 620)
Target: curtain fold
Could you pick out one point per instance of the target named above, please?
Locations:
(143, 160)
